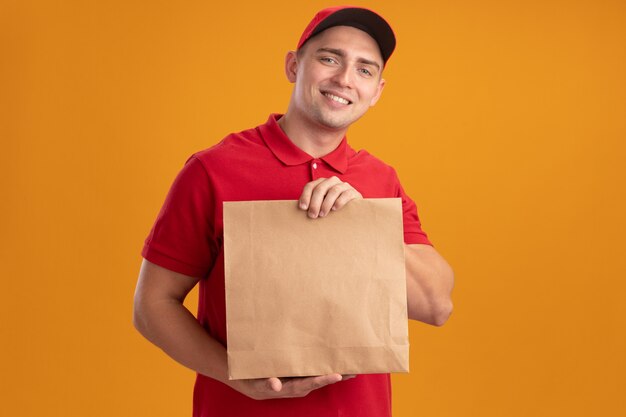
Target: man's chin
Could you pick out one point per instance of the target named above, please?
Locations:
(335, 123)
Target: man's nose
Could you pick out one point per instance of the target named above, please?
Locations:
(343, 76)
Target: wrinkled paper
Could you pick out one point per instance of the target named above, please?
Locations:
(315, 296)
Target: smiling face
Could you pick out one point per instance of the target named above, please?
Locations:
(337, 76)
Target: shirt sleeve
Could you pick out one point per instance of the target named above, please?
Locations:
(182, 238)
(413, 232)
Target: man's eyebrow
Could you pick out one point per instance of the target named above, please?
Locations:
(341, 53)
(338, 52)
(369, 62)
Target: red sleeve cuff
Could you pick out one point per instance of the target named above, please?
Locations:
(416, 238)
(161, 259)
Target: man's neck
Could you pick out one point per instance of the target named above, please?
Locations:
(312, 139)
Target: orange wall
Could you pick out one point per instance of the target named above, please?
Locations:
(505, 120)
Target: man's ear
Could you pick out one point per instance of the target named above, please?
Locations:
(291, 66)
(381, 85)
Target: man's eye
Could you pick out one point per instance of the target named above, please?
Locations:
(328, 60)
(365, 71)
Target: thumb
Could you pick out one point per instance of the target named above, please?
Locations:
(275, 384)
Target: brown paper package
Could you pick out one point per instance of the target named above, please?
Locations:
(315, 296)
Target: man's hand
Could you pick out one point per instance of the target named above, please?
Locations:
(321, 196)
(268, 388)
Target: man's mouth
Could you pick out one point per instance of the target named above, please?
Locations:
(336, 98)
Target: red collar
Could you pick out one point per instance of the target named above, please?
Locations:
(289, 154)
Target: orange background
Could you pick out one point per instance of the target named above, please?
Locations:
(504, 119)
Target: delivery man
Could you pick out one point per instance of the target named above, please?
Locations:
(302, 155)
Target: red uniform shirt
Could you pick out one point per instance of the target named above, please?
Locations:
(263, 164)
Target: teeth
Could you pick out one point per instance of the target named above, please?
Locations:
(337, 99)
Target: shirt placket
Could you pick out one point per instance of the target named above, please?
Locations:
(315, 166)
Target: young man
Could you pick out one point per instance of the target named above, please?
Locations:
(337, 76)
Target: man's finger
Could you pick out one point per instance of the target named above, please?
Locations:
(345, 197)
(306, 385)
(331, 196)
(305, 197)
(319, 194)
